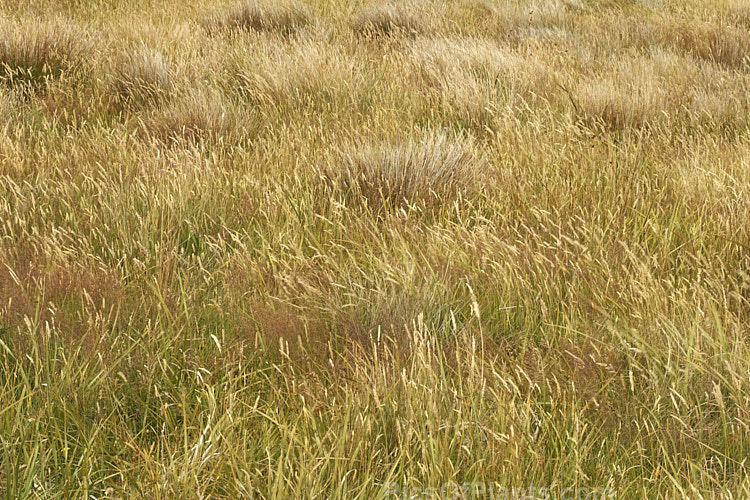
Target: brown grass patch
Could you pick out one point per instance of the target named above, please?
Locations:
(295, 337)
(58, 297)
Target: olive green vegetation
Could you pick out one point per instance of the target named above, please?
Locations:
(297, 250)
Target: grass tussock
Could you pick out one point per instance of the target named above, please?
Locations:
(426, 173)
(141, 77)
(202, 116)
(726, 46)
(394, 19)
(282, 18)
(33, 51)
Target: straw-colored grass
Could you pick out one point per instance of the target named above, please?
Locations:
(339, 249)
(435, 170)
(141, 77)
(283, 18)
(33, 50)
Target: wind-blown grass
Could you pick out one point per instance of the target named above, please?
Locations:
(273, 17)
(33, 51)
(377, 248)
(142, 77)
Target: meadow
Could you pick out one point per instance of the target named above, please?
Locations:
(348, 248)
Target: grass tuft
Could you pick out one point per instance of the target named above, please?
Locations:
(432, 171)
(33, 51)
(142, 77)
(202, 116)
(282, 18)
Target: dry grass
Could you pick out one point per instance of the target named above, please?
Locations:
(305, 250)
(475, 79)
(614, 104)
(305, 71)
(281, 18)
(34, 50)
(141, 77)
(202, 116)
(432, 171)
(392, 19)
(723, 45)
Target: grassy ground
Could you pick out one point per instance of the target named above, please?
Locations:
(344, 248)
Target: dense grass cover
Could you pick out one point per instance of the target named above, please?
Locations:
(343, 249)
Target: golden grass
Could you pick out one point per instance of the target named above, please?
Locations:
(34, 50)
(303, 71)
(323, 249)
(392, 19)
(141, 77)
(200, 116)
(726, 45)
(274, 17)
(433, 171)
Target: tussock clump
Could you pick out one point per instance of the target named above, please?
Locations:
(616, 105)
(432, 171)
(34, 51)
(391, 20)
(629, 95)
(298, 71)
(141, 77)
(199, 117)
(282, 18)
(445, 62)
(723, 45)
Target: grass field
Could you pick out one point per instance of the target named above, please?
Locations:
(355, 249)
